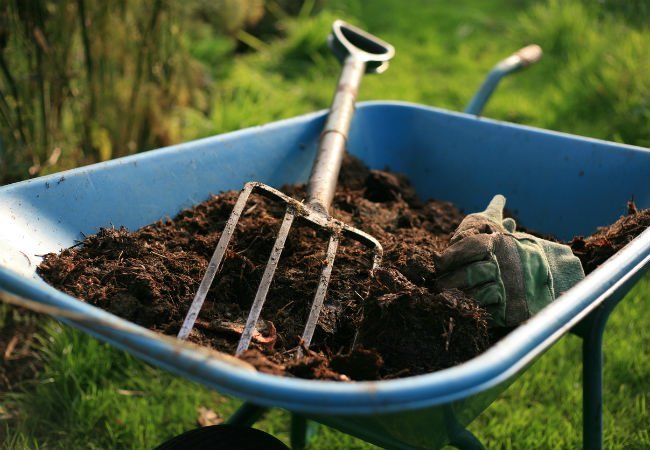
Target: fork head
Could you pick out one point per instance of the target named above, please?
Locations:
(294, 208)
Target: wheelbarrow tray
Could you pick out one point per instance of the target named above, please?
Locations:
(555, 183)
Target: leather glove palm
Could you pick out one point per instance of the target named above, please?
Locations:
(513, 275)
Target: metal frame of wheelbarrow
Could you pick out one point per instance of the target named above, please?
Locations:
(558, 183)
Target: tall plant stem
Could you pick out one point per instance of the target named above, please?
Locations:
(146, 46)
(41, 88)
(14, 92)
(90, 79)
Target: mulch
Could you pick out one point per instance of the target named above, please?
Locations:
(393, 323)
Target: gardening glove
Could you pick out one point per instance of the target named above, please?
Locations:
(513, 275)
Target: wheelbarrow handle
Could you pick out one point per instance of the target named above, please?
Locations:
(522, 58)
(360, 53)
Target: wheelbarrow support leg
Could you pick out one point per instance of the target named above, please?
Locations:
(459, 436)
(592, 388)
(591, 330)
(592, 376)
(247, 415)
(302, 431)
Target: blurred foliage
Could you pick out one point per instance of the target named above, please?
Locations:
(601, 84)
(634, 12)
(231, 15)
(92, 79)
(83, 81)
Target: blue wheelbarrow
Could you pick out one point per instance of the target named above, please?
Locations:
(562, 184)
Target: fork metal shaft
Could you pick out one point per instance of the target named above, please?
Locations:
(321, 186)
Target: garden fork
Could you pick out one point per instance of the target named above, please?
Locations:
(359, 52)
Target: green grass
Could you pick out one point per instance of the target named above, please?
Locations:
(593, 80)
(90, 395)
(586, 83)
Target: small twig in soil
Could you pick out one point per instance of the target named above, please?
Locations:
(284, 307)
(245, 250)
(157, 254)
(356, 336)
(250, 210)
(447, 333)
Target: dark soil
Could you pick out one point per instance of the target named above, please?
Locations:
(391, 324)
(597, 248)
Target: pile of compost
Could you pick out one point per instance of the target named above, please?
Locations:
(393, 323)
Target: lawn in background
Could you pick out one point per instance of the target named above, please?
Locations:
(593, 80)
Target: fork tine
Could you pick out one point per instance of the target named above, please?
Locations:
(317, 219)
(215, 262)
(321, 291)
(265, 283)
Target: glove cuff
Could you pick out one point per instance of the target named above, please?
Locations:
(565, 266)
